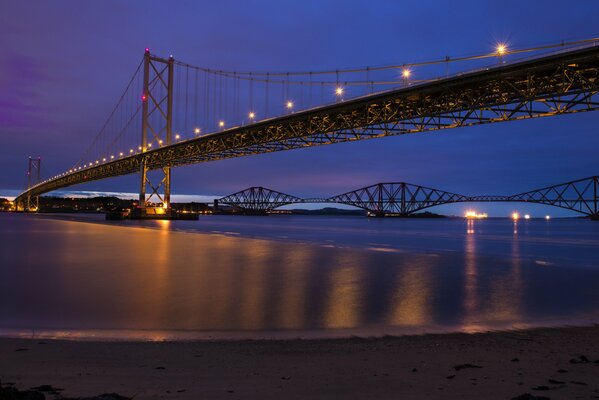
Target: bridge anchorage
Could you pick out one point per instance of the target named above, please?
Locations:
(401, 199)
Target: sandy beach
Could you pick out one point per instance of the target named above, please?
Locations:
(561, 363)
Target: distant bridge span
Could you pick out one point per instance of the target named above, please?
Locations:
(561, 83)
(402, 199)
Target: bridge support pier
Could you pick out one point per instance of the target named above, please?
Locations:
(157, 98)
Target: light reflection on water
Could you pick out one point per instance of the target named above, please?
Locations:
(63, 275)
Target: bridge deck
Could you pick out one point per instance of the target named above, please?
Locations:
(555, 84)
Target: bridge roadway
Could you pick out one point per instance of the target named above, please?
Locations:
(559, 83)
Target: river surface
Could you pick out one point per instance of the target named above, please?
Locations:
(79, 276)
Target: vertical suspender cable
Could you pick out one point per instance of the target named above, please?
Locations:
(186, 96)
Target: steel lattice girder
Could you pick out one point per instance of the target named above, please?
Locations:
(405, 198)
(396, 198)
(557, 84)
(259, 199)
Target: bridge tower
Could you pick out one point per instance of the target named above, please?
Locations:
(33, 178)
(156, 131)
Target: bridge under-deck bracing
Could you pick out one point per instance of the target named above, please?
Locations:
(403, 199)
(560, 83)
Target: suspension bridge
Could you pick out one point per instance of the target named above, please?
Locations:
(173, 113)
(403, 199)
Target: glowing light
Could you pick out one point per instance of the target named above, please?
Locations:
(406, 72)
(112, 157)
(471, 214)
(165, 205)
(515, 216)
(150, 145)
(147, 50)
(526, 216)
(197, 131)
(121, 154)
(104, 160)
(252, 115)
(139, 148)
(130, 150)
(160, 141)
(289, 105)
(177, 136)
(143, 97)
(547, 217)
(501, 49)
(339, 91)
(221, 124)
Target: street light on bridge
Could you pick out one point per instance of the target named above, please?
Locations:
(501, 50)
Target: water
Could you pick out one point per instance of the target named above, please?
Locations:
(292, 276)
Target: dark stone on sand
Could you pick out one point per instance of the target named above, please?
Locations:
(562, 371)
(10, 393)
(464, 366)
(578, 383)
(556, 382)
(160, 368)
(22, 349)
(528, 396)
(515, 359)
(47, 388)
(542, 387)
(450, 377)
(105, 396)
(580, 360)
(414, 370)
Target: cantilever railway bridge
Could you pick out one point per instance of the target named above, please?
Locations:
(563, 82)
(402, 199)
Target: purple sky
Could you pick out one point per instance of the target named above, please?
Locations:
(63, 65)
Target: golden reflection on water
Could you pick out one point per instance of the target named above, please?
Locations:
(502, 299)
(291, 311)
(157, 279)
(412, 297)
(471, 301)
(344, 305)
(252, 305)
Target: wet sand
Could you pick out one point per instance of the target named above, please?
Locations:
(560, 363)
